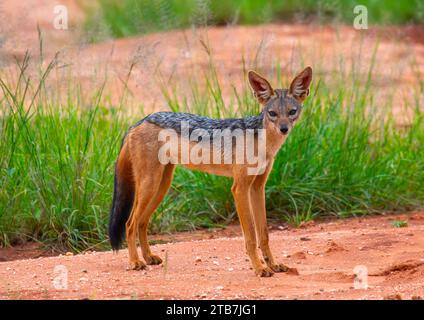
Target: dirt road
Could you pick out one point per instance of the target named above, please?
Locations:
(327, 255)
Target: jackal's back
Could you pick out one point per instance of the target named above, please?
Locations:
(173, 120)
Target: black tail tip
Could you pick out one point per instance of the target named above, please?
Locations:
(115, 241)
(116, 236)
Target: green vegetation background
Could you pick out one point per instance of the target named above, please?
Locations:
(121, 18)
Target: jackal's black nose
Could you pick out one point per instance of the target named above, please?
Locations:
(284, 129)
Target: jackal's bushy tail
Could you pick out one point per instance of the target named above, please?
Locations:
(123, 198)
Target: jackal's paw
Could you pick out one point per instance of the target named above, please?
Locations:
(153, 259)
(137, 265)
(279, 267)
(264, 272)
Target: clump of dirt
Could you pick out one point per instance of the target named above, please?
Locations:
(342, 277)
(293, 271)
(332, 277)
(332, 246)
(409, 265)
(418, 216)
(305, 239)
(300, 255)
(395, 296)
(307, 224)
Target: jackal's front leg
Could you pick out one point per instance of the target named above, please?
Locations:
(241, 196)
(257, 198)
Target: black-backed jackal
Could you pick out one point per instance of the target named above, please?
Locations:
(156, 144)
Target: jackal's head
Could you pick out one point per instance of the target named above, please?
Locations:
(282, 107)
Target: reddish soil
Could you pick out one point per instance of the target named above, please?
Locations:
(326, 256)
(28, 250)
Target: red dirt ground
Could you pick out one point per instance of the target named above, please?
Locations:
(325, 255)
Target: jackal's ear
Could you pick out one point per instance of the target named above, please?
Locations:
(299, 87)
(261, 87)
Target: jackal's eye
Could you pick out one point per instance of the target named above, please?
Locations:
(292, 112)
(272, 113)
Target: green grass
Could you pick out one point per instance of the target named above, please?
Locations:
(56, 161)
(120, 18)
(399, 224)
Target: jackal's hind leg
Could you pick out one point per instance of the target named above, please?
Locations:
(163, 187)
(131, 232)
(146, 188)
